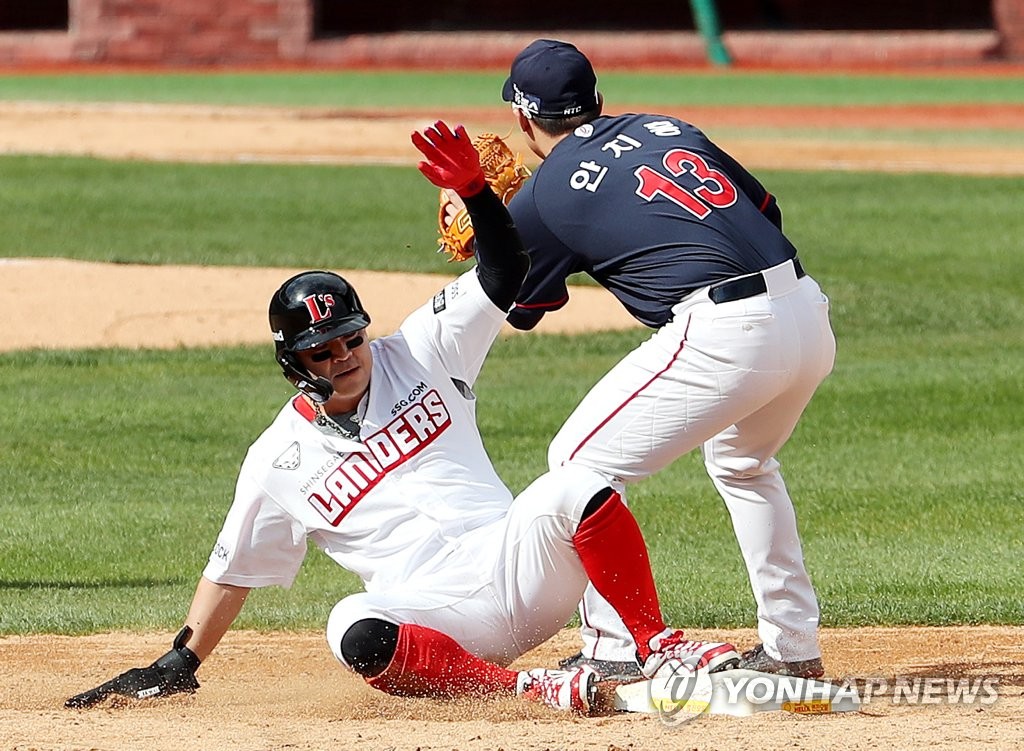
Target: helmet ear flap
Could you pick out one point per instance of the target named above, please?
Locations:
(317, 389)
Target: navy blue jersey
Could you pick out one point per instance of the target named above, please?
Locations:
(650, 208)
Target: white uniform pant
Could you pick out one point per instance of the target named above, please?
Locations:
(506, 587)
(733, 378)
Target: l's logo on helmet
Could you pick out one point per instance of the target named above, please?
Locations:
(319, 307)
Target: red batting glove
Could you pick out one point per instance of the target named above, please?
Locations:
(452, 160)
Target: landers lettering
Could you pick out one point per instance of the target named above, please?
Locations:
(395, 443)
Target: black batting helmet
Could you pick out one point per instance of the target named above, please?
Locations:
(307, 310)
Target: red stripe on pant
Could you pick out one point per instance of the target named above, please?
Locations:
(634, 395)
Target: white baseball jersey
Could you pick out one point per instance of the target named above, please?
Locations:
(392, 505)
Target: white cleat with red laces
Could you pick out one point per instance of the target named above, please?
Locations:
(671, 648)
(571, 690)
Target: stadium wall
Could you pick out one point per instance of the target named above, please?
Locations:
(297, 32)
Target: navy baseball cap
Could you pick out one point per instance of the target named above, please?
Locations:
(551, 79)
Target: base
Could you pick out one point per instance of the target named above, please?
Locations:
(738, 693)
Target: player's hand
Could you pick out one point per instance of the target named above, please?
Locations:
(452, 161)
(171, 674)
(454, 205)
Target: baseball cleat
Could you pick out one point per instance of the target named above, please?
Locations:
(572, 690)
(760, 661)
(672, 649)
(608, 670)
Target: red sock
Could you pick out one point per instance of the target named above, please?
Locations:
(429, 663)
(614, 556)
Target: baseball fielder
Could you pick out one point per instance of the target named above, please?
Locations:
(692, 245)
(378, 460)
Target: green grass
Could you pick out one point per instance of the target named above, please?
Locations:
(451, 89)
(951, 138)
(882, 229)
(269, 215)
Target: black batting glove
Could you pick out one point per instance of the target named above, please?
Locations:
(173, 673)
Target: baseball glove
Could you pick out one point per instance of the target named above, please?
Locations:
(504, 172)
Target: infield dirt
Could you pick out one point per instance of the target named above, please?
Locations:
(284, 690)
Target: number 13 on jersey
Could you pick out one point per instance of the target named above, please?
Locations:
(714, 192)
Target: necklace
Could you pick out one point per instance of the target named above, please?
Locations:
(345, 424)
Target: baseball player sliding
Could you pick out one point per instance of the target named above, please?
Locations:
(692, 245)
(379, 461)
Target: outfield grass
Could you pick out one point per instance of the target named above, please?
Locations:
(265, 215)
(883, 230)
(118, 466)
(912, 138)
(478, 89)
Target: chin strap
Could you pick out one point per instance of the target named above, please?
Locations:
(317, 389)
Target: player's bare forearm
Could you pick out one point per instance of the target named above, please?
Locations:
(213, 610)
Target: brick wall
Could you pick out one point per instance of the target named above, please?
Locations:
(1009, 19)
(183, 32)
(169, 32)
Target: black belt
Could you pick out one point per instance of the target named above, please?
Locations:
(745, 286)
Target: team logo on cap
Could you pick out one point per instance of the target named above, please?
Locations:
(526, 102)
(319, 306)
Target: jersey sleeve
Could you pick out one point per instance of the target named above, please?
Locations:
(458, 326)
(501, 261)
(259, 545)
(551, 263)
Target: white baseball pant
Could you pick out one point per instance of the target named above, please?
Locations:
(502, 589)
(732, 378)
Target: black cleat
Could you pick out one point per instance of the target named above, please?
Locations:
(608, 670)
(758, 660)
